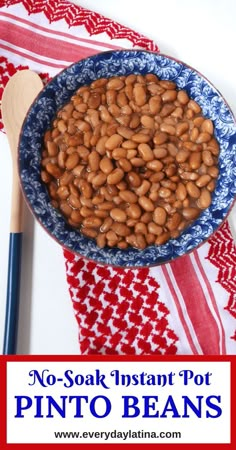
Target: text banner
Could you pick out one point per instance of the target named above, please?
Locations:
(111, 402)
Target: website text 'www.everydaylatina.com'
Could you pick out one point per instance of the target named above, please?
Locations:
(119, 435)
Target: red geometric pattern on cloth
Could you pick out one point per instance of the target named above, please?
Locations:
(118, 310)
(221, 254)
(7, 69)
(75, 15)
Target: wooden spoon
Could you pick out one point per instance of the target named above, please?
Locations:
(18, 95)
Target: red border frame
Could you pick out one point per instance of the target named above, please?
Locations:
(115, 446)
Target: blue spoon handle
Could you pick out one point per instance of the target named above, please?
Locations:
(13, 294)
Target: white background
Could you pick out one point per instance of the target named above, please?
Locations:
(193, 428)
(202, 34)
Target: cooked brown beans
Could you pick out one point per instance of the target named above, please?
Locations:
(72, 161)
(120, 229)
(134, 179)
(213, 171)
(99, 179)
(174, 221)
(65, 208)
(181, 128)
(190, 213)
(183, 97)
(203, 138)
(118, 215)
(52, 148)
(182, 156)
(125, 164)
(143, 188)
(106, 165)
(195, 160)
(163, 238)
(169, 95)
(211, 185)
(160, 152)
(115, 176)
(160, 138)
(192, 189)
(145, 152)
(130, 160)
(141, 138)
(159, 215)
(205, 199)
(53, 170)
(118, 153)
(155, 165)
(166, 128)
(207, 158)
(155, 104)
(194, 106)
(94, 160)
(207, 126)
(146, 203)
(128, 196)
(92, 222)
(73, 200)
(134, 211)
(203, 180)
(89, 232)
(139, 94)
(113, 141)
(115, 83)
(63, 192)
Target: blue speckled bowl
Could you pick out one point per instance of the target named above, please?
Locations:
(108, 64)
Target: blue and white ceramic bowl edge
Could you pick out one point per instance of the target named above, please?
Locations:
(123, 62)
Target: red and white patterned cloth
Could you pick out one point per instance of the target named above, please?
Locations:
(185, 307)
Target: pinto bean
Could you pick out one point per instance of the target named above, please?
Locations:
(115, 83)
(134, 211)
(115, 176)
(94, 160)
(145, 152)
(192, 189)
(146, 203)
(190, 213)
(155, 104)
(183, 97)
(203, 180)
(128, 196)
(173, 221)
(106, 165)
(53, 170)
(169, 95)
(159, 216)
(113, 141)
(207, 126)
(139, 93)
(181, 192)
(162, 238)
(118, 215)
(207, 158)
(194, 106)
(204, 199)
